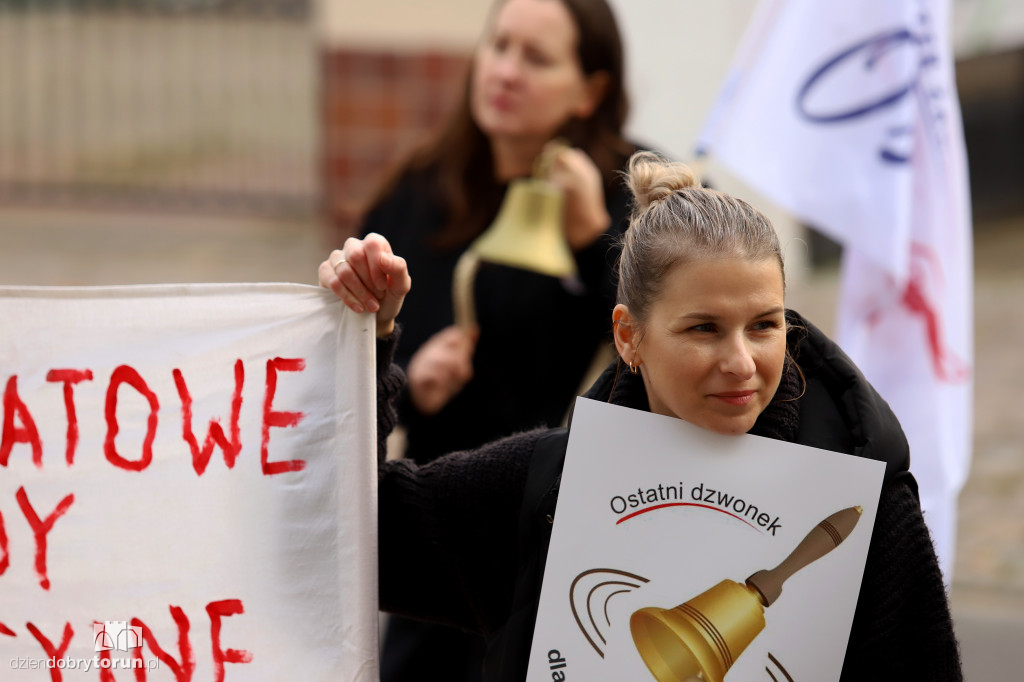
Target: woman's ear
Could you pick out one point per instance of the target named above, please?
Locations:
(625, 333)
(594, 88)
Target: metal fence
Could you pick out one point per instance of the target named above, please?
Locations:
(186, 104)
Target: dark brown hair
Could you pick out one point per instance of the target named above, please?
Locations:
(460, 159)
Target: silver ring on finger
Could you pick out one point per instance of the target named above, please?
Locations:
(338, 265)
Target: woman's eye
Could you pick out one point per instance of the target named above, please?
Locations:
(499, 44)
(764, 325)
(706, 327)
(537, 58)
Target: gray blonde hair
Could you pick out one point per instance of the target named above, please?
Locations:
(676, 221)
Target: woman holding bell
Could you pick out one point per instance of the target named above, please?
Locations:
(544, 71)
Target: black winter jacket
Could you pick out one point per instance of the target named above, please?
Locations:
(476, 524)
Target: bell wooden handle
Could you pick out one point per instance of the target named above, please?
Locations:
(542, 164)
(463, 283)
(822, 539)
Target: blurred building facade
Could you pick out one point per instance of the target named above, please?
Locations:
(302, 106)
(193, 105)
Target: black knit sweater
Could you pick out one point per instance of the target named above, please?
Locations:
(454, 523)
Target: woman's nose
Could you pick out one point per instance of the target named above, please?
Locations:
(508, 65)
(737, 358)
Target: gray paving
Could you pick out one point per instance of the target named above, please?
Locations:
(63, 247)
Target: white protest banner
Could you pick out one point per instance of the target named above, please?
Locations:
(655, 513)
(846, 114)
(187, 485)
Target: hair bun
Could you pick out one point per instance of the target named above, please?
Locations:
(652, 178)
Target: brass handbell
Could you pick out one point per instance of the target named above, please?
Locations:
(528, 233)
(702, 638)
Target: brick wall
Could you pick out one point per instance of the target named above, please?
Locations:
(376, 106)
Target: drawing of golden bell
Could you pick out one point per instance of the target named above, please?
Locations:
(701, 638)
(528, 232)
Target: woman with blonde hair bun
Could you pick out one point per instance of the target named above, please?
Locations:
(703, 335)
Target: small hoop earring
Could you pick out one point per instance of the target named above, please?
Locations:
(634, 369)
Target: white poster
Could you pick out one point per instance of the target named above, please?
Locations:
(668, 539)
(187, 485)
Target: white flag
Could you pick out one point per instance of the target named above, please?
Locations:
(846, 115)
